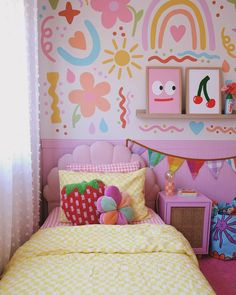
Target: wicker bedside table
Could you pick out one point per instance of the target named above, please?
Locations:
(191, 216)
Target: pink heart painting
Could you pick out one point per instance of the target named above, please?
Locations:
(177, 32)
(78, 41)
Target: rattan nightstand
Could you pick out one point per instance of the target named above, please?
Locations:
(191, 216)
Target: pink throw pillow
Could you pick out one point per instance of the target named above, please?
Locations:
(114, 167)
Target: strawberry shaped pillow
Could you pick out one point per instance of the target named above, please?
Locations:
(78, 201)
(115, 207)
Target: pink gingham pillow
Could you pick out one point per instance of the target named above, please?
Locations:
(114, 167)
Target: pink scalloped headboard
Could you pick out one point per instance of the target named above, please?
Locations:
(100, 152)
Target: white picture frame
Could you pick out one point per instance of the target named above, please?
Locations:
(203, 90)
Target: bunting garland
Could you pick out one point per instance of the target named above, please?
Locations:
(195, 166)
(232, 164)
(175, 162)
(154, 158)
(138, 149)
(215, 167)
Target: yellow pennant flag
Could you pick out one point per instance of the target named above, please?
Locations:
(174, 163)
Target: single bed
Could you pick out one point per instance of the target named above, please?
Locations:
(145, 257)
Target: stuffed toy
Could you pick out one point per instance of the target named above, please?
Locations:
(114, 207)
(223, 231)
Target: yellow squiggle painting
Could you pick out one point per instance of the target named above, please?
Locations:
(53, 78)
(230, 47)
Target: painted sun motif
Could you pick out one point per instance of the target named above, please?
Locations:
(122, 59)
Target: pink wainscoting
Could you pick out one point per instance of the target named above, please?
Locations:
(222, 189)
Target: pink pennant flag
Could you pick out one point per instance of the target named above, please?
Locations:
(174, 163)
(215, 167)
(195, 166)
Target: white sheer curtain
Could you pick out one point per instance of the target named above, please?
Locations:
(19, 125)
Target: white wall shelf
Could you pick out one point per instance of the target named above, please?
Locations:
(143, 114)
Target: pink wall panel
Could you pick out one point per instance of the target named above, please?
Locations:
(223, 188)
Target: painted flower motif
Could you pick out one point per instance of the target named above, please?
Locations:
(91, 96)
(112, 10)
(230, 89)
(223, 229)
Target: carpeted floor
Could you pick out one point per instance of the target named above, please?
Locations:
(220, 274)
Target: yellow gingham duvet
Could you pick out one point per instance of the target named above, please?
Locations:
(103, 259)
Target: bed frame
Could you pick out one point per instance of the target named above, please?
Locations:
(99, 152)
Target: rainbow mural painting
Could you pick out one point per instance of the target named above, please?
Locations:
(151, 23)
(114, 43)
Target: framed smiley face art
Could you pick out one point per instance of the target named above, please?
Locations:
(203, 95)
(164, 90)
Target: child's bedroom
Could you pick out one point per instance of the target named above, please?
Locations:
(118, 147)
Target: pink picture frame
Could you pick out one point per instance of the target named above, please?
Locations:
(164, 90)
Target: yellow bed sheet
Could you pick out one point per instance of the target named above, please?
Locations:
(99, 259)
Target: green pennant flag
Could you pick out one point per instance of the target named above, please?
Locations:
(154, 158)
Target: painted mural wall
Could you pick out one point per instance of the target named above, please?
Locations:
(93, 58)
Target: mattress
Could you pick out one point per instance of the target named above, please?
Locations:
(53, 219)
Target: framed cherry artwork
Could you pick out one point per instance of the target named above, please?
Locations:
(164, 91)
(203, 94)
